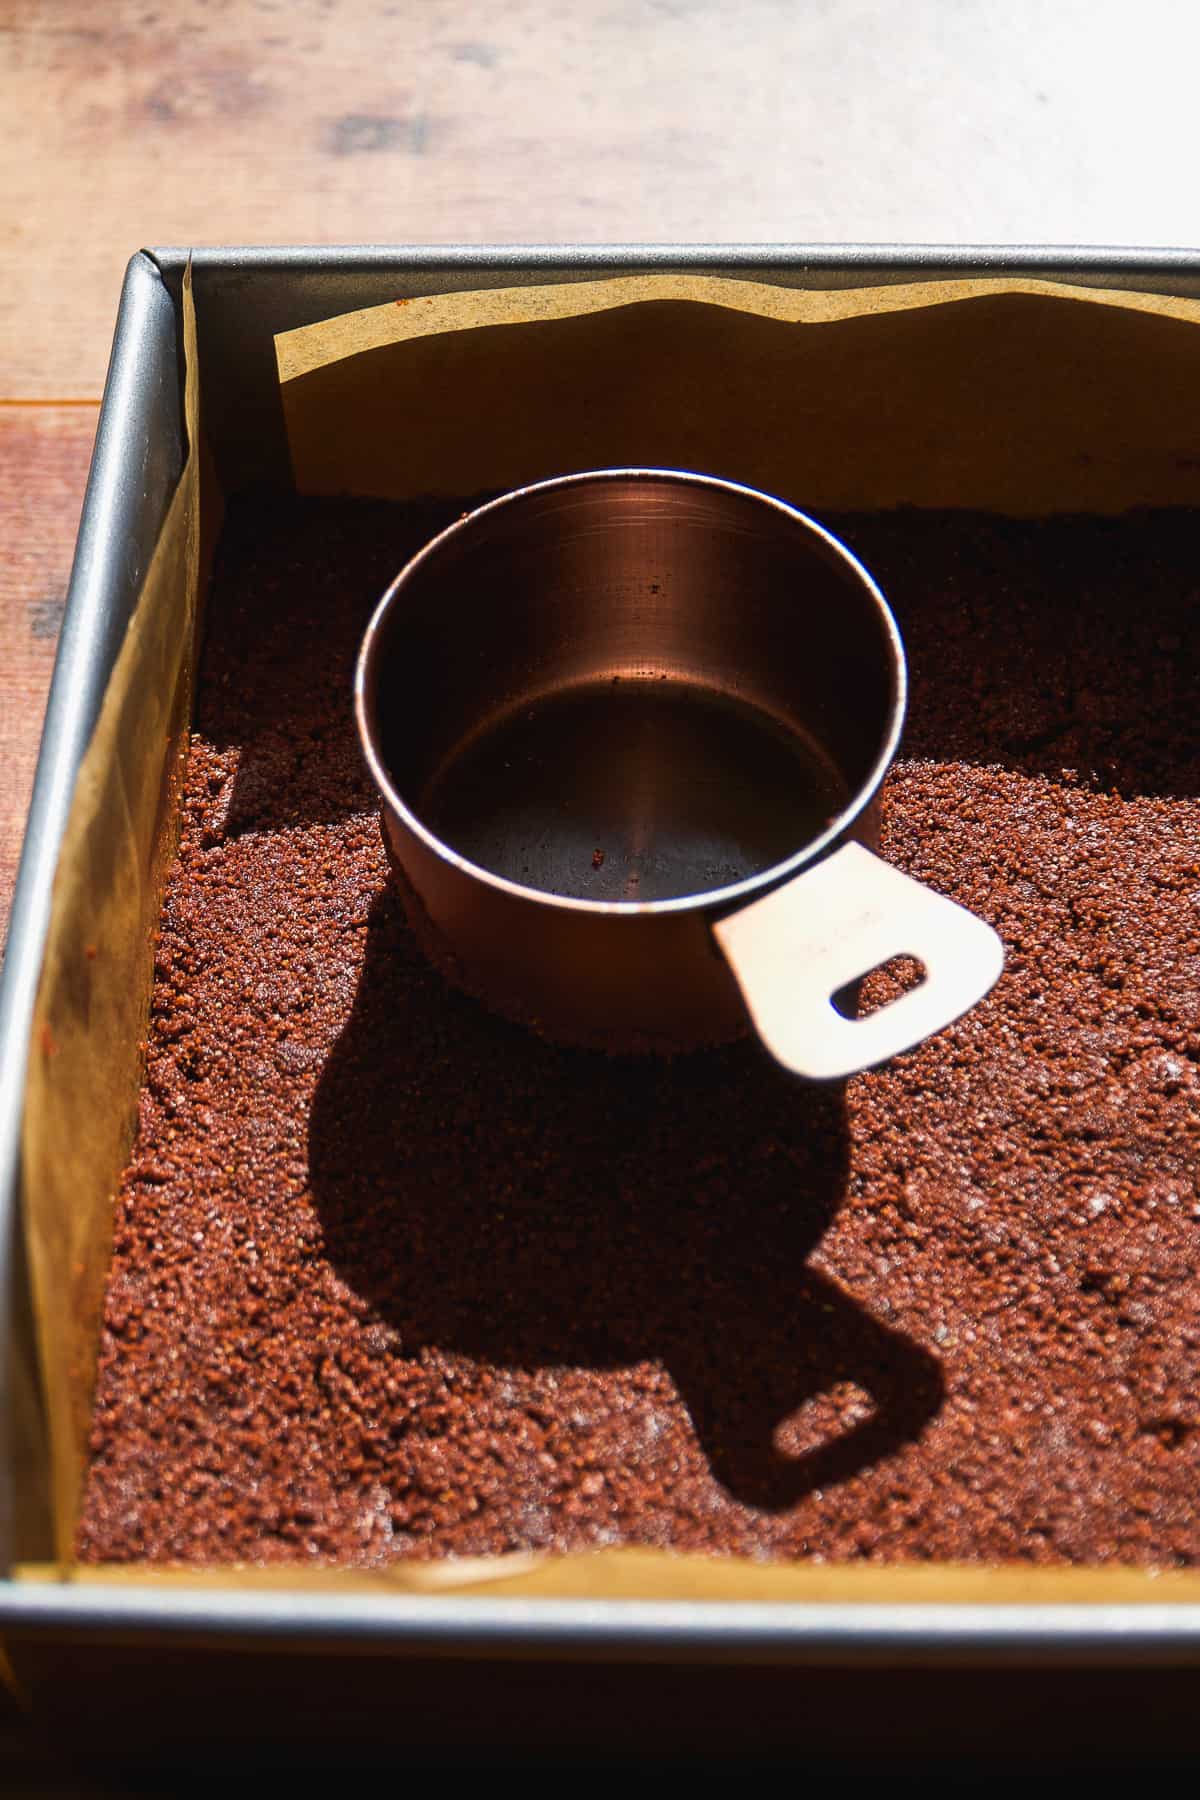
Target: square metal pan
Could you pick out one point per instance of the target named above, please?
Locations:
(243, 297)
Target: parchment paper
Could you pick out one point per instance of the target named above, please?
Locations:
(92, 999)
(1013, 397)
(1017, 397)
(633, 1574)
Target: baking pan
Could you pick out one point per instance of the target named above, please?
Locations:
(489, 1667)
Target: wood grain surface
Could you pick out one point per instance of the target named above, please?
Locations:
(334, 121)
(44, 453)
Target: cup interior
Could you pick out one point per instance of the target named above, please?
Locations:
(633, 686)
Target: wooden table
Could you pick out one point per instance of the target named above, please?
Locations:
(331, 121)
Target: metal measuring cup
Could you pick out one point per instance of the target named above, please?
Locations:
(629, 728)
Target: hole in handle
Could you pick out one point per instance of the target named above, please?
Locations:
(877, 987)
(824, 1420)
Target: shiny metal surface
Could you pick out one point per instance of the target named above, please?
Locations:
(602, 711)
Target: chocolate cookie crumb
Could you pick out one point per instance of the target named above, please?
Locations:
(392, 1278)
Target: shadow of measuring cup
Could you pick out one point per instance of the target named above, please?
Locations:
(536, 1207)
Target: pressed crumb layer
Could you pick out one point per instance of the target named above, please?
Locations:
(393, 1278)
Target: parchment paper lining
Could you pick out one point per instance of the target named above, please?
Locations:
(1014, 397)
(90, 1013)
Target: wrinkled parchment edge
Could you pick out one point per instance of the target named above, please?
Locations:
(1021, 397)
(641, 1574)
(307, 348)
(89, 1017)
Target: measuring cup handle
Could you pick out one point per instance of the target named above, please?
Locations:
(793, 950)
